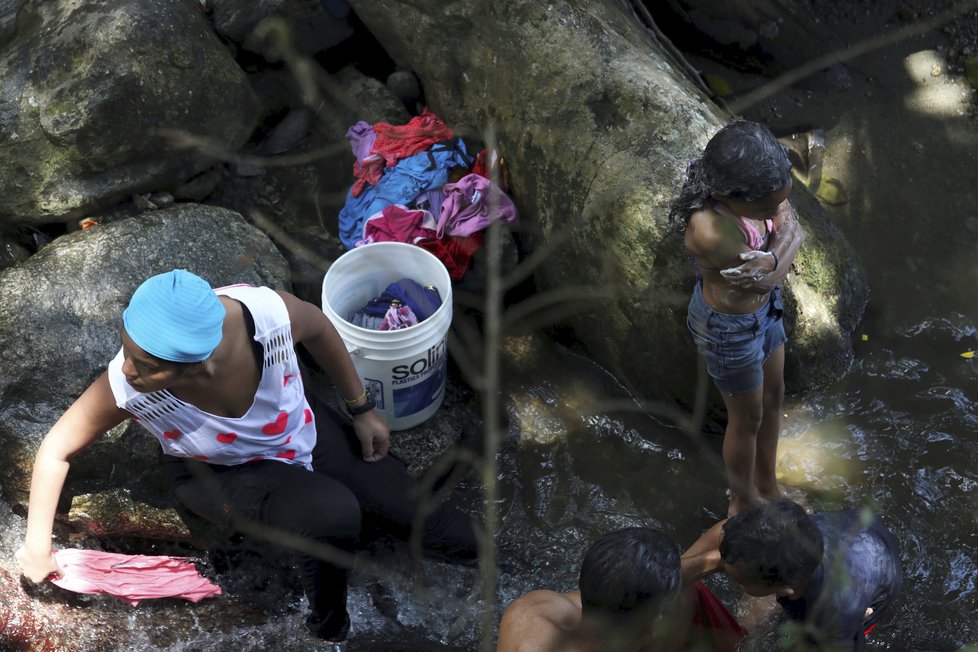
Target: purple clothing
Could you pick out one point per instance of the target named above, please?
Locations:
(430, 200)
(472, 204)
(362, 137)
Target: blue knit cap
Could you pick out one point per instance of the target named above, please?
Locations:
(175, 316)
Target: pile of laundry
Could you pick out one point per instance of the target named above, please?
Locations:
(417, 183)
(404, 303)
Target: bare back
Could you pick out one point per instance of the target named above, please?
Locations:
(542, 621)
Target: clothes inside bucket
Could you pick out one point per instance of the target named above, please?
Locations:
(402, 304)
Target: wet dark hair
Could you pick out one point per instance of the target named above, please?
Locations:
(744, 160)
(777, 543)
(628, 570)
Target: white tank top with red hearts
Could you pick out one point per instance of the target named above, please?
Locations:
(279, 425)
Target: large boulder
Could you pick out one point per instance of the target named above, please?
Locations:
(60, 319)
(597, 125)
(88, 89)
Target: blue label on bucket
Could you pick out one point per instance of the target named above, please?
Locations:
(376, 390)
(414, 398)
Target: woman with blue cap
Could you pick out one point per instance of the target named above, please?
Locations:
(214, 375)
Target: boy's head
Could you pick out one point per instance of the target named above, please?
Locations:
(772, 547)
(745, 161)
(629, 571)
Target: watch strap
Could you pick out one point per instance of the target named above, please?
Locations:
(361, 409)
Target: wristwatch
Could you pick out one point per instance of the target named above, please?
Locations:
(361, 409)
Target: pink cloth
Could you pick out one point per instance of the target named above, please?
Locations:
(398, 317)
(752, 236)
(472, 204)
(131, 577)
(395, 223)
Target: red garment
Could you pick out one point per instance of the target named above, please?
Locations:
(490, 165)
(480, 167)
(131, 577)
(456, 253)
(421, 132)
(368, 171)
(712, 622)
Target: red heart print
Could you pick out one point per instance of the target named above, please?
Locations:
(289, 439)
(288, 455)
(172, 434)
(256, 458)
(276, 427)
(308, 415)
(285, 381)
(227, 437)
(202, 458)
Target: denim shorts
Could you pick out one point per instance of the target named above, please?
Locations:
(736, 346)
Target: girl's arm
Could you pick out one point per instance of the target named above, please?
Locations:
(758, 271)
(85, 421)
(312, 328)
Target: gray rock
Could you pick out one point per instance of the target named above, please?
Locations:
(11, 251)
(59, 322)
(310, 27)
(307, 197)
(596, 126)
(8, 19)
(87, 88)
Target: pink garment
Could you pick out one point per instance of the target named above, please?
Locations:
(397, 223)
(398, 317)
(132, 577)
(420, 133)
(752, 236)
(472, 204)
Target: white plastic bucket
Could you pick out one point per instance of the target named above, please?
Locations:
(403, 369)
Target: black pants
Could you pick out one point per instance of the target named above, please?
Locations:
(266, 497)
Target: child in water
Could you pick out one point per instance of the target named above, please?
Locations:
(743, 236)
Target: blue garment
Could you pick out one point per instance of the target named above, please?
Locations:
(401, 184)
(860, 568)
(423, 301)
(736, 346)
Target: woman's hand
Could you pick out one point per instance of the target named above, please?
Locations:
(37, 567)
(374, 434)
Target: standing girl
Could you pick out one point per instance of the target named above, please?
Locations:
(743, 236)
